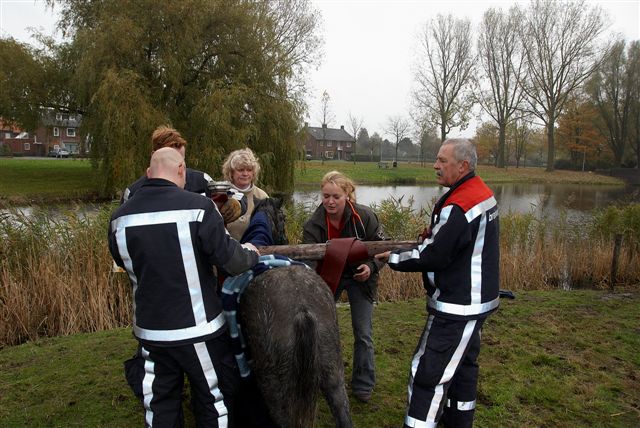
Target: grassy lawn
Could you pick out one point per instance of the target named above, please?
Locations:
(35, 180)
(549, 358)
(23, 181)
(311, 172)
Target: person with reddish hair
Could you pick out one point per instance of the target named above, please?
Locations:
(196, 181)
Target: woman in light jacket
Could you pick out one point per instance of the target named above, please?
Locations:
(241, 169)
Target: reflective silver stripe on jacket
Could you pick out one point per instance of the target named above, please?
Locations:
(476, 257)
(181, 333)
(415, 253)
(160, 217)
(181, 218)
(481, 208)
(465, 310)
(476, 262)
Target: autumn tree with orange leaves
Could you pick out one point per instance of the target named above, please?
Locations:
(579, 135)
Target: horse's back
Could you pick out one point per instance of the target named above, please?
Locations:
(289, 319)
(288, 290)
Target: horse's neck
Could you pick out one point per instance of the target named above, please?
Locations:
(275, 222)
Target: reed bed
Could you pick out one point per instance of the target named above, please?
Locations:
(56, 272)
(56, 278)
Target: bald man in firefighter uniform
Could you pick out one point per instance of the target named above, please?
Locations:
(168, 240)
(459, 263)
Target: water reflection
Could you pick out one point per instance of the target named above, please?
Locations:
(540, 199)
(577, 201)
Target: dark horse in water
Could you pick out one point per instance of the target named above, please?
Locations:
(288, 317)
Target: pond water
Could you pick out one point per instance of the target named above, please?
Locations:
(540, 199)
(577, 201)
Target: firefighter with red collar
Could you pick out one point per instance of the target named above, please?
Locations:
(459, 261)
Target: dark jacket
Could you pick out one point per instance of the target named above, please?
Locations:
(315, 231)
(460, 260)
(196, 182)
(168, 240)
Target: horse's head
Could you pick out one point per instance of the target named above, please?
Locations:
(272, 208)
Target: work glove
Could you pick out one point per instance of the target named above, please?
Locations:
(230, 210)
(426, 234)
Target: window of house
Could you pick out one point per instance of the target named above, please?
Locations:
(56, 131)
(348, 145)
(27, 147)
(7, 135)
(72, 117)
(328, 155)
(71, 132)
(329, 143)
(58, 116)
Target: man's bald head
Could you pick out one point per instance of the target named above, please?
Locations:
(169, 164)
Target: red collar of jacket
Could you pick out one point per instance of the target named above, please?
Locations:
(466, 193)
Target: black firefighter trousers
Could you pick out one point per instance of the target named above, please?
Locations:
(213, 376)
(444, 374)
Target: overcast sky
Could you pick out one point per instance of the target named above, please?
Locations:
(369, 48)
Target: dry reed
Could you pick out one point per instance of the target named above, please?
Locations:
(56, 277)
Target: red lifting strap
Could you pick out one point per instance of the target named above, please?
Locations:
(340, 251)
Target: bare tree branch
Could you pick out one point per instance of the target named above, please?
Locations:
(443, 78)
(502, 64)
(559, 41)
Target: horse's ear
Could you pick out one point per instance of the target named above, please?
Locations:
(278, 202)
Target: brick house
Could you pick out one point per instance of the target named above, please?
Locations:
(56, 131)
(14, 140)
(329, 143)
(60, 131)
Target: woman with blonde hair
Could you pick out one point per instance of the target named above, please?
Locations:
(339, 216)
(241, 169)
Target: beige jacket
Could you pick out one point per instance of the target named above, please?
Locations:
(237, 228)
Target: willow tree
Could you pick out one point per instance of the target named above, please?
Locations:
(20, 76)
(226, 73)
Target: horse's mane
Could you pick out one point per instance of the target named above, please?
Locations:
(271, 209)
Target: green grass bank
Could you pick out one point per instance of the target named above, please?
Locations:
(549, 358)
(25, 181)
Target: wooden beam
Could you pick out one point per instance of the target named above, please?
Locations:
(316, 251)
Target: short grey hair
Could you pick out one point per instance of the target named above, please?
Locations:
(463, 149)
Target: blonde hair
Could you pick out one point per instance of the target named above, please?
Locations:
(165, 136)
(237, 159)
(342, 181)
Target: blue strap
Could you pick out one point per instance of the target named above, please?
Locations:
(232, 290)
